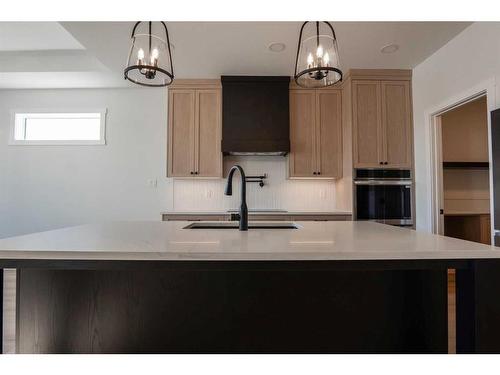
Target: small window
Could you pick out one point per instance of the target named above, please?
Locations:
(56, 128)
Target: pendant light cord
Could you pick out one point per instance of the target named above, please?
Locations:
(150, 30)
(317, 34)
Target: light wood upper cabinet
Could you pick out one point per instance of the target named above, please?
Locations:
(208, 141)
(181, 134)
(194, 131)
(366, 122)
(396, 122)
(316, 133)
(329, 133)
(381, 119)
(302, 133)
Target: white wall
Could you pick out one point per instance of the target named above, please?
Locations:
(45, 187)
(468, 62)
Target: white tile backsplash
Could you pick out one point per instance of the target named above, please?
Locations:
(278, 192)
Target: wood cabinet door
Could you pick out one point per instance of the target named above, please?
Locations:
(329, 133)
(485, 225)
(303, 133)
(366, 121)
(208, 155)
(396, 123)
(181, 133)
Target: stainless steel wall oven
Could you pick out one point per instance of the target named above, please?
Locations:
(384, 195)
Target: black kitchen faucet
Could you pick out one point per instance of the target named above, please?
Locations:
(243, 214)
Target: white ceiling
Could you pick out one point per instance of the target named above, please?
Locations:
(50, 54)
(35, 36)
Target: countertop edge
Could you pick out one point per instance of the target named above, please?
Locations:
(284, 213)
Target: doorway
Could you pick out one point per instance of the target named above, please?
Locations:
(463, 171)
(461, 181)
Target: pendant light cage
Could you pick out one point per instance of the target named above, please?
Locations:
(317, 64)
(149, 61)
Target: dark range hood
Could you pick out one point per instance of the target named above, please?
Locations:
(255, 115)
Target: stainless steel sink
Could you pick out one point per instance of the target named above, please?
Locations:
(234, 225)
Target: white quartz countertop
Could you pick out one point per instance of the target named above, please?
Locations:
(156, 241)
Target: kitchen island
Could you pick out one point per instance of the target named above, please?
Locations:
(325, 287)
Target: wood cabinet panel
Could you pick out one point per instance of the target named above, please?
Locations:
(181, 135)
(194, 132)
(396, 122)
(302, 133)
(329, 133)
(208, 141)
(233, 308)
(366, 120)
(382, 124)
(471, 227)
(485, 224)
(464, 132)
(316, 133)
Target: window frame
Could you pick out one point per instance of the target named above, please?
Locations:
(22, 142)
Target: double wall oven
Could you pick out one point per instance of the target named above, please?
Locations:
(384, 195)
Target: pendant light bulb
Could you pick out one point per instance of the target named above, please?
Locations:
(326, 59)
(140, 54)
(154, 55)
(310, 59)
(319, 52)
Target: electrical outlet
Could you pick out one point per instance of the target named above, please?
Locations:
(152, 183)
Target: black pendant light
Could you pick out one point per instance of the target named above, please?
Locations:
(150, 59)
(317, 63)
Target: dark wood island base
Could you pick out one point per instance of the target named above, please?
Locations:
(327, 287)
(256, 307)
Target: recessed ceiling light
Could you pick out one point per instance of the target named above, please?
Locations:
(390, 48)
(276, 47)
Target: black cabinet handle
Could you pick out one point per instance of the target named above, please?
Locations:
(386, 163)
(196, 172)
(319, 172)
(314, 173)
(381, 162)
(192, 172)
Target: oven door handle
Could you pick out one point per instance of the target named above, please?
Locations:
(383, 182)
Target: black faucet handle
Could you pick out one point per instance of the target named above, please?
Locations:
(235, 217)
